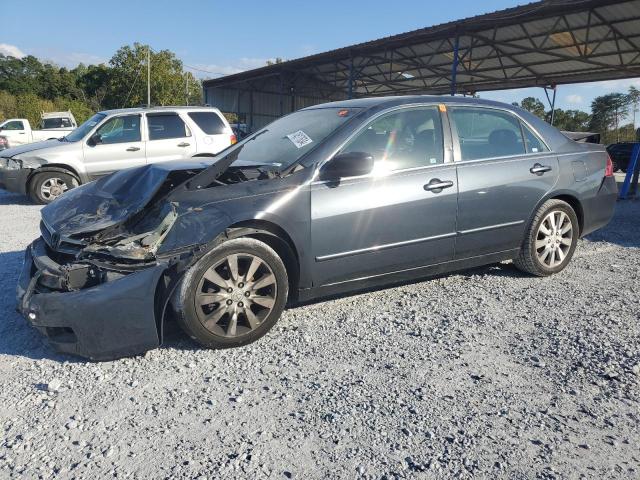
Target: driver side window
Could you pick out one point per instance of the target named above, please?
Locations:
(407, 138)
(120, 130)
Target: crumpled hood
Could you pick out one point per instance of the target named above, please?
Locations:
(31, 147)
(111, 199)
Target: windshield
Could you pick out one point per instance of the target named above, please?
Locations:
(283, 142)
(82, 131)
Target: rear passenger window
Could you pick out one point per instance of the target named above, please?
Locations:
(166, 125)
(209, 122)
(534, 144)
(486, 133)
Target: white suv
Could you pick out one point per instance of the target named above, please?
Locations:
(109, 141)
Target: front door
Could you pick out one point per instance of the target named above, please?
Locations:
(169, 138)
(116, 144)
(401, 216)
(16, 133)
(504, 171)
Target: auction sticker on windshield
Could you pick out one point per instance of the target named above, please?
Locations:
(299, 138)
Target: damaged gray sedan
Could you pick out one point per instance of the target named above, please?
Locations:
(330, 199)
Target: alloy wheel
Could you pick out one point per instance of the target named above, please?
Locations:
(235, 295)
(52, 188)
(554, 239)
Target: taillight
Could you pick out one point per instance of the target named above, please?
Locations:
(608, 171)
(234, 139)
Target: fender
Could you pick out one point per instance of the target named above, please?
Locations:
(55, 168)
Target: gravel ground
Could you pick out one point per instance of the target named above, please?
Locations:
(486, 373)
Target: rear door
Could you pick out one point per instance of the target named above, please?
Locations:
(393, 219)
(215, 134)
(169, 138)
(504, 170)
(117, 144)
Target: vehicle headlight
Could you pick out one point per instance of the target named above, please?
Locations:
(13, 164)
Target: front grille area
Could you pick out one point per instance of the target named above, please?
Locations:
(64, 245)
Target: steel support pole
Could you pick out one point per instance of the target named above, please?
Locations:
(553, 105)
(251, 111)
(148, 76)
(350, 89)
(454, 66)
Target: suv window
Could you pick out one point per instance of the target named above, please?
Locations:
(407, 138)
(487, 133)
(120, 130)
(14, 125)
(166, 125)
(534, 144)
(209, 122)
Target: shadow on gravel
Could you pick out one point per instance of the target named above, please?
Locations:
(623, 228)
(14, 199)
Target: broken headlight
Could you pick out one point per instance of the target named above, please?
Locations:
(12, 164)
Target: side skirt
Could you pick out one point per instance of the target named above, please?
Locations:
(403, 276)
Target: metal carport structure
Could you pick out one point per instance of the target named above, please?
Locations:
(544, 44)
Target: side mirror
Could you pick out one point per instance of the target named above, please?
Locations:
(352, 164)
(95, 139)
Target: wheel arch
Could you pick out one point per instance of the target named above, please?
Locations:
(278, 239)
(53, 168)
(566, 196)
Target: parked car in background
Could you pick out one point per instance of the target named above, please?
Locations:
(330, 199)
(18, 131)
(241, 130)
(620, 154)
(109, 141)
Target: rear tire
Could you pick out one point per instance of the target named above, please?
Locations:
(233, 295)
(550, 241)
(45, 187)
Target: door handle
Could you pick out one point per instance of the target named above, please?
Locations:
(184, 144)
(436, 185)
(133, 149)
(538, 169)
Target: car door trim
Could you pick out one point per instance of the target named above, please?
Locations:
(490, 227)
(386, 246)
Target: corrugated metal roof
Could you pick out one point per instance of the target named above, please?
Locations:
(542, 43)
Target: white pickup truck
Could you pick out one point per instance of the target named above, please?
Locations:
(18, 131)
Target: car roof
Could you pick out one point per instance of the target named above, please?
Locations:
(552, 136)
(390, 101)
(158, 109)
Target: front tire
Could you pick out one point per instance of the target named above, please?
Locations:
(45, 187)
(550, 240)
(233, 295)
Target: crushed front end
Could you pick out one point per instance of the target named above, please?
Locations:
(93, 282)
(93, 309)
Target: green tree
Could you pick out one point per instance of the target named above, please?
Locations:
(8, 106)
(571, 120)
(30, 106)
(275, 61)
(128, 74)
(607, 111)
(534, 106)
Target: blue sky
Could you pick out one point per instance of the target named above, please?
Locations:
(229, 36)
